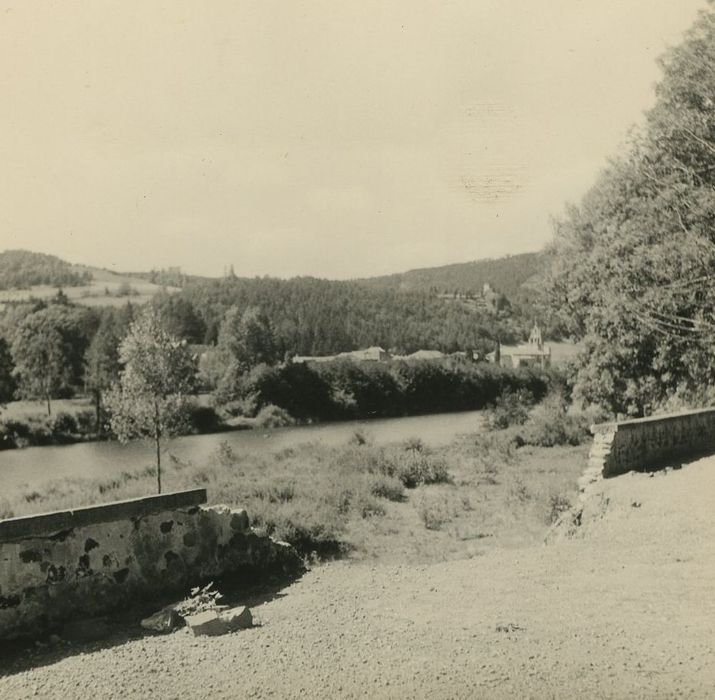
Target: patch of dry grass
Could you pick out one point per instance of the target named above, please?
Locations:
(394, 503)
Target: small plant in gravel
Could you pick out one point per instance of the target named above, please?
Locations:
(558, 505)
(201, 599)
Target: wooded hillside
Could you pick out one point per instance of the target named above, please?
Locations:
(20, 269)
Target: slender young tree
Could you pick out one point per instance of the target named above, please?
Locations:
(158, 376)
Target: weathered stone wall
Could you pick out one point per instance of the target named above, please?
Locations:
(85, 562)
(646, 443)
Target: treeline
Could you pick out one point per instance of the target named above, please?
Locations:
(320, 317)
(343, 389)
(505, 274)
(20, 269)
(54, 349)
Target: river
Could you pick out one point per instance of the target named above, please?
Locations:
(34, 465)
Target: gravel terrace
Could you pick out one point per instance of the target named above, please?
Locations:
(626, 608)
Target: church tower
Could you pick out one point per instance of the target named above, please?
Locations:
(535, 339)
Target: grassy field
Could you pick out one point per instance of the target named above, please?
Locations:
(107, 288)
(22, 410)
(400, 503)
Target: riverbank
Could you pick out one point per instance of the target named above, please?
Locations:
(408, 501)
(298, 394)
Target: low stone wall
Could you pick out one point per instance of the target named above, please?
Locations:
(646, 443)
(88, 561)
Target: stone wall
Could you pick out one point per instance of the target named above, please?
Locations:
(88, 561)
(647, 443)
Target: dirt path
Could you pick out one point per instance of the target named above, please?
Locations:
(627, 609)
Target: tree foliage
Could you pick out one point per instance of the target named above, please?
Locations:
(20, 269)
(102, 362)
(152, 395)
(48, 348)
(634, 264)
(247, 338)
(7, 378)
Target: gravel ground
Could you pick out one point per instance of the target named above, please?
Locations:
(625, 609)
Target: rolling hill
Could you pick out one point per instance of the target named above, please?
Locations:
(507, 275)
(25, 274)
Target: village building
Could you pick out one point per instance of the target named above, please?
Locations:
(373, 354)
(532, 354)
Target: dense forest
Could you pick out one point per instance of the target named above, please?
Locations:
(319, 317)
(20, 269)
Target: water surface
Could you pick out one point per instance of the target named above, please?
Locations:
(34, 465)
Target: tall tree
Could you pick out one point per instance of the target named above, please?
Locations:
(248, 338)
(42, 366)
(634, 265)
(7, 380)
(102, 363)
(158, 376)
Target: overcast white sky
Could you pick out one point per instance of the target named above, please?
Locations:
(329, 138)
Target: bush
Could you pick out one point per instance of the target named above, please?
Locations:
(86, 421)
(271, 416)
(388, 487)
(410, 468)
(551, 423)
(204, 419)
(511, 408)
(417, 468)
(436, 510)
(63, 424)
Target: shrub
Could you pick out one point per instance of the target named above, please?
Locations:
(408, 467)
(271, 416)
(388, 487)
(436, 510)
(308, 528)
(558, 505)
(63, 423)
(86, 421)
(511, 408)
(414, 469)
(551, 423)
(204, 419)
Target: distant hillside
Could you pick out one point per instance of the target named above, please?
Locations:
(506, 275)
(21, 269)
(25, 274)
(402, 312)
(323, 317)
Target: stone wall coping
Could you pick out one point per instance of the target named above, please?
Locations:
(57, 521)
(615, 425)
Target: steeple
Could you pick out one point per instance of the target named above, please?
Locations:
(535, 338)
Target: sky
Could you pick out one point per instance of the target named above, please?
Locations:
(313, 137)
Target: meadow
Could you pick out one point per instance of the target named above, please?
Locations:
(403, 502)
